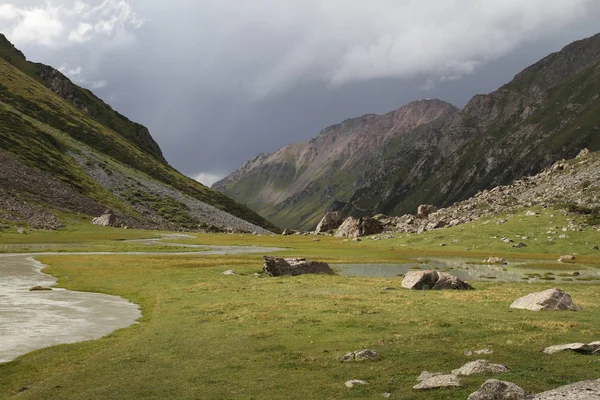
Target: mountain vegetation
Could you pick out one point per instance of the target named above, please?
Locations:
(65, 150)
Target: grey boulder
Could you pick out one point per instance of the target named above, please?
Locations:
(480, 367)
(494, 389)
(586, 390)
(548, 300)
(430, 279)
(589, 348)
(438, 381)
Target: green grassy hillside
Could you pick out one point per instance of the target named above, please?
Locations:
(43, 130)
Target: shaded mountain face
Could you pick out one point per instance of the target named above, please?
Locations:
(62, 148)
(429, 151)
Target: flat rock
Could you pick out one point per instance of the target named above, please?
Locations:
(229, 272)
(360, 355)
(586, 390)
(277, 266)
(353, 382)
(480, 367)
(548, 300)
(495, 260)
(583, 348)
(479, 352)
(425, 375)
(494, 389)
(566, 258)
(439, 381)
(431, 279)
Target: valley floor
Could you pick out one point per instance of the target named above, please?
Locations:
(205, 335)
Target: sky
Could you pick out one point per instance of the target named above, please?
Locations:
(218, 82)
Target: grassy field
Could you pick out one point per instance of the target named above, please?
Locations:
(204, 335)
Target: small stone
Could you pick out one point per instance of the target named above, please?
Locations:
(507, 240)
(443, 245)
(566, 258)
(494, 389)
(229, 272)
(38, 289)
(360, 355)
(495, 260)
(354, 382)
(386, 395)
(480, 367)
(386, 289)
(519, 245)
(425, 375)
(316, 240)
(479, 352)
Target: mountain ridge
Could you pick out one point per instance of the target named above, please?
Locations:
(545, 113)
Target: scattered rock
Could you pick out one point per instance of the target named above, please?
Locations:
(277, 266)
(494, 389)
(425, 210)
(330, 222)
(586, 390)
(519, 245)
(425, 375)
(386, 395)
(443, 244)
(439, 381)
(229, 272)
(507, 240)
(548, 300)
(531, 213)
(106, 219)
(430, 279)
(590, 348)
(495, 260)
(566, 258)
(38, 288)
(480, 367)
(596, 247)
(21, 230)
(361, 355)
(479, 352)
(354, 382)
(316, 240)
(357, 240)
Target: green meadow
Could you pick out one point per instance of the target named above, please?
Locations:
(204, 335)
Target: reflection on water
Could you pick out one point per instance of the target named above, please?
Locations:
(473, 272)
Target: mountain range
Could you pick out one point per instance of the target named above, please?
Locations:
(65, 153)
(429, 151)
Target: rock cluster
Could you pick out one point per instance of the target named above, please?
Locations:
(433, 280)
(548, 300)
(277, 266)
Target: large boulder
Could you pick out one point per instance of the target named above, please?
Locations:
(494, 389)
(106, 219)
(586, 390)
(330, 221)
(430, 279)
(353, 227)
(277, 266)
(548, 300)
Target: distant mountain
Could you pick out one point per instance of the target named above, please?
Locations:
(64, 151)
(429, 151)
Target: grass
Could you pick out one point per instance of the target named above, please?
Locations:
(206, 335)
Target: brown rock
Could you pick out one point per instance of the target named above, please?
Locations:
(353, 227)
(430, 279)
(425, 210)
(277, 266)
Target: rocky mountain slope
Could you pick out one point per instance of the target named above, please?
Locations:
(64, 151)
(429, 151)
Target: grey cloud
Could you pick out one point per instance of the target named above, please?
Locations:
(219, 81)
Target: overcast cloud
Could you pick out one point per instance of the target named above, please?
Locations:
(219, 81)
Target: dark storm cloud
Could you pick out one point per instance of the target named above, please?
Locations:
(219, 81)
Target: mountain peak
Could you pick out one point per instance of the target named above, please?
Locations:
(9, 52)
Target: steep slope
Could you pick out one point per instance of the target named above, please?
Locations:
(296, 183)
(549, 111)
(71, 155)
